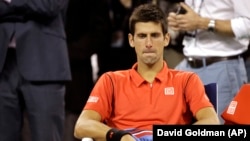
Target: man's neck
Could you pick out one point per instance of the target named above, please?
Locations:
(149, 72)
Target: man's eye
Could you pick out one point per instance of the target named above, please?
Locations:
(141, 36)
(155, 35)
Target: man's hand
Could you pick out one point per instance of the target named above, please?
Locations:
(172, 22)
(184, 22)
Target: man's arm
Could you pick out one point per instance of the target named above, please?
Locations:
(40, 8)
(192, 21)
(207, 116)
(198, 101)
(22, 10)
(89, 125)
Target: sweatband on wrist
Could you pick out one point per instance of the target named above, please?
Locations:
(115, 134)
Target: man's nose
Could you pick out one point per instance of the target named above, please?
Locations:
(148, 42)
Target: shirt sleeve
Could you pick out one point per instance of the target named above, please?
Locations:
(241, 23)
(195, 94)
(100, 99)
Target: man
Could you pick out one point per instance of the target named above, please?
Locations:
(216, 35)
(130, 101)
(34, 66)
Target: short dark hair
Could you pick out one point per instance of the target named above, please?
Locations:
(147, 13)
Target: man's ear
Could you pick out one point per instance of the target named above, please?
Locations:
(166, 39)
(131, 40)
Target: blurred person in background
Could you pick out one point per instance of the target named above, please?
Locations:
(216, 35)
(34, 67)
(246, 57)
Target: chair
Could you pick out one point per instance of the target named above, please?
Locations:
(211, 90)
(237, 111)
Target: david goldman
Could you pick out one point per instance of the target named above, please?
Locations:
(190, 132)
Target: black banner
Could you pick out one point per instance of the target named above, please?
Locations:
(221, 132)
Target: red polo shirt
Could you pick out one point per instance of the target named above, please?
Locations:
(125, 100)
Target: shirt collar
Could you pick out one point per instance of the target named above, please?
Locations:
(138, 80)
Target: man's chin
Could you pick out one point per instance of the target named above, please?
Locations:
(149, 62)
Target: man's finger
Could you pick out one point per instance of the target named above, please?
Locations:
(185, 6)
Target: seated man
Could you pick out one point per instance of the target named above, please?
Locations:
(124, 105)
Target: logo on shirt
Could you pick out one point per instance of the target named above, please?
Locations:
(93, 99)
(169, 91)
(232, 107)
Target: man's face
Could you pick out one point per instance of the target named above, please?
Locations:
(149, 42)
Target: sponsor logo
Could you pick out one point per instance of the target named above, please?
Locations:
(93, 99)
(169, 91)
(232, 107)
